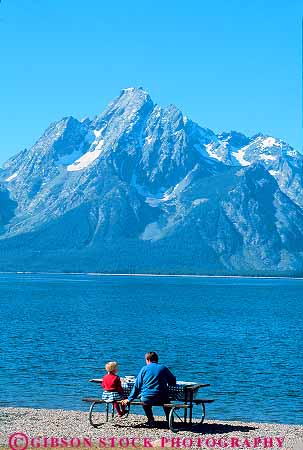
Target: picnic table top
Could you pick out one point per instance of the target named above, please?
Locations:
(188, 385)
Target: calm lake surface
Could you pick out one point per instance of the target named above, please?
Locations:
(243, 336)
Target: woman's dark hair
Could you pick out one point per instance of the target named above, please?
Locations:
(151, 356)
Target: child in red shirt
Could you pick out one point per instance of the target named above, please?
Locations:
(112, 388)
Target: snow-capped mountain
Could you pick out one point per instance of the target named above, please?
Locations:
(283, 162)
(143, 188)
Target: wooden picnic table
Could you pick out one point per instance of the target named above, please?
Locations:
(183, 396)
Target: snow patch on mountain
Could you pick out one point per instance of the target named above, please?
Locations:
(87, 159)
(292, 153)
(199, 201)
(151, 232)
(98, 133)
(240, 157)
(266, 157)
(149, 139)
(129, 90)
(12, 177)
(163, 195)
(211, 153)
(168, 195)
(270, 142)
(274, 173)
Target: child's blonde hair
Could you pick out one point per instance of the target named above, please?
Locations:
(111, 366)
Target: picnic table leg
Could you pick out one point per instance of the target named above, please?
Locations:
(174, 417)
(90, 417)
(191, 396)
(203, 412)
(90, 414)
(186, 392)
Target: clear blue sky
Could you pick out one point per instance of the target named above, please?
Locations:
(227, 64)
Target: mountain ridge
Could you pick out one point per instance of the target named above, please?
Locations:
(148, 184)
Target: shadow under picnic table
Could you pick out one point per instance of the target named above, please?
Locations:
(203, 428)
(219, 428)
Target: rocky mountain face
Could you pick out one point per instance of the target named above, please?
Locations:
(144, 189)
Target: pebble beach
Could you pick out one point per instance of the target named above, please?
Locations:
(43, 428)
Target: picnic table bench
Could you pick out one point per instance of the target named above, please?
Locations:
(183, 396)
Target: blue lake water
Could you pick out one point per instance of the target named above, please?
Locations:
(243, 336)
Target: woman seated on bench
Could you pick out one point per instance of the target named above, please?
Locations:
(152, 385)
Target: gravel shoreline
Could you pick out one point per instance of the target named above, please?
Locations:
(73, 425)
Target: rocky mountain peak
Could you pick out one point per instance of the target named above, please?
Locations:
(234, 138)
(150, 185)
